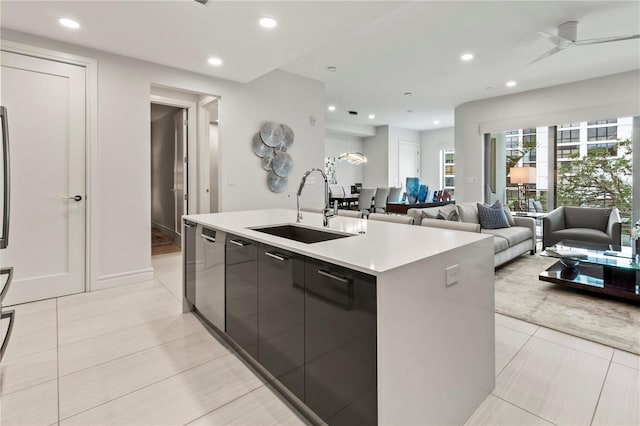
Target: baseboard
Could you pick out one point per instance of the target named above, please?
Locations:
(123, 278)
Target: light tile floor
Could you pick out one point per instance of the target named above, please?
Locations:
(128, 356)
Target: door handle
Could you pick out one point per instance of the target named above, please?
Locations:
(4, 238)
(73, 197)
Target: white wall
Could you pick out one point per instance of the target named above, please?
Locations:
(123, 217)
(397, 134)
(615, 95)
(338, 143)
(376, 149)
(432, 142)
(282, 98)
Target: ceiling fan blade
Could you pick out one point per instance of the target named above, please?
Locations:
(549, 53)
(605, 40)
(558, 41)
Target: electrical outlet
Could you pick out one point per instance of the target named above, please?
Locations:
(451, 275)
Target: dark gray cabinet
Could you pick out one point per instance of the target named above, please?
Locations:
(310, 323)
(340, 344)
(281, 316)
(241, 277)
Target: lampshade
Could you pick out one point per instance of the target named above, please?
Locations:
(353, 157)
(523, 174)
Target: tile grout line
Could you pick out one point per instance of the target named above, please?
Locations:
(166, 288)
(514, 355)
(525, 410)
(604, 380)
(149, 385)
(113, 331)
(133, 353)
(575, 349)
(224, 405)
(146, 303)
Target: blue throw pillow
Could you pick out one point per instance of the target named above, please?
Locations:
(492, 217)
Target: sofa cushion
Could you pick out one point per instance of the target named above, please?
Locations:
(513, 235)
(582, 234)
(499, 244)
(593, 218)
(492, 217)
(468, 212)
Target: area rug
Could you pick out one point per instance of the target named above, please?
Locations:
(520, 294)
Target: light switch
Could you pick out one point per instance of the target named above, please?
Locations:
(451, 275)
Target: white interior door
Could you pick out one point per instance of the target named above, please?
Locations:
(180, 168)
(408, 161)
(45, 102)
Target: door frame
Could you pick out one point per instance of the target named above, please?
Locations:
(91, 146)
(192, 129)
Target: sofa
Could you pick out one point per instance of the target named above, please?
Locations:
(509, 243)
(588, 224)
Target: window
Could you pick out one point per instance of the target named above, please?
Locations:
(564, 126)
(565, 136)
(609, 121)
(568, 151)
(602, 133)
(611, 147)
(512, 142)
(448, 170)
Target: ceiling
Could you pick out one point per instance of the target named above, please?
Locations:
(158, 111)
(381, 49)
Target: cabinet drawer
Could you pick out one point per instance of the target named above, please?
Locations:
(340, 344)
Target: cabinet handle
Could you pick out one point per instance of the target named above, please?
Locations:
(333, 277)
(6, 271)
(11, 315)
(239, 243)
(208, 238)
(189, 225)
(276, 256)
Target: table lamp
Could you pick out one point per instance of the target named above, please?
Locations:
(523, 176)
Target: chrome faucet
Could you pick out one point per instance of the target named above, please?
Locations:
(327, 212)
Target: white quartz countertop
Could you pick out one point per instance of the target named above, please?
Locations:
(376, 247)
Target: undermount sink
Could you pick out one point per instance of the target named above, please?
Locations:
(301, 234)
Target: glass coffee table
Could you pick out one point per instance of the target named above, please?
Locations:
(599, 268)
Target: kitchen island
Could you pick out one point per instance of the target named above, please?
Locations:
(383, 323)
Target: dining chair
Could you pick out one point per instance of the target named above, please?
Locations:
(350, 213)
(380, 200)
(407, 220)
(336, 191)
(395, 195)
(365, 200)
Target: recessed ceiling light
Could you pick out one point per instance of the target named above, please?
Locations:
(331, 107)
(511, 83)
(215, 61)
(372, 116)
(467, 57)
(332, 69)
(408, 94)
(268, 23)
(436, 122)
(69, 23)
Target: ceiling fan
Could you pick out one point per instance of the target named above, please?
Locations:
(567, 37)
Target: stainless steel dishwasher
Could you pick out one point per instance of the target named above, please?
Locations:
(209, 277)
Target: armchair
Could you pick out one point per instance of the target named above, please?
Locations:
(589, 224)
